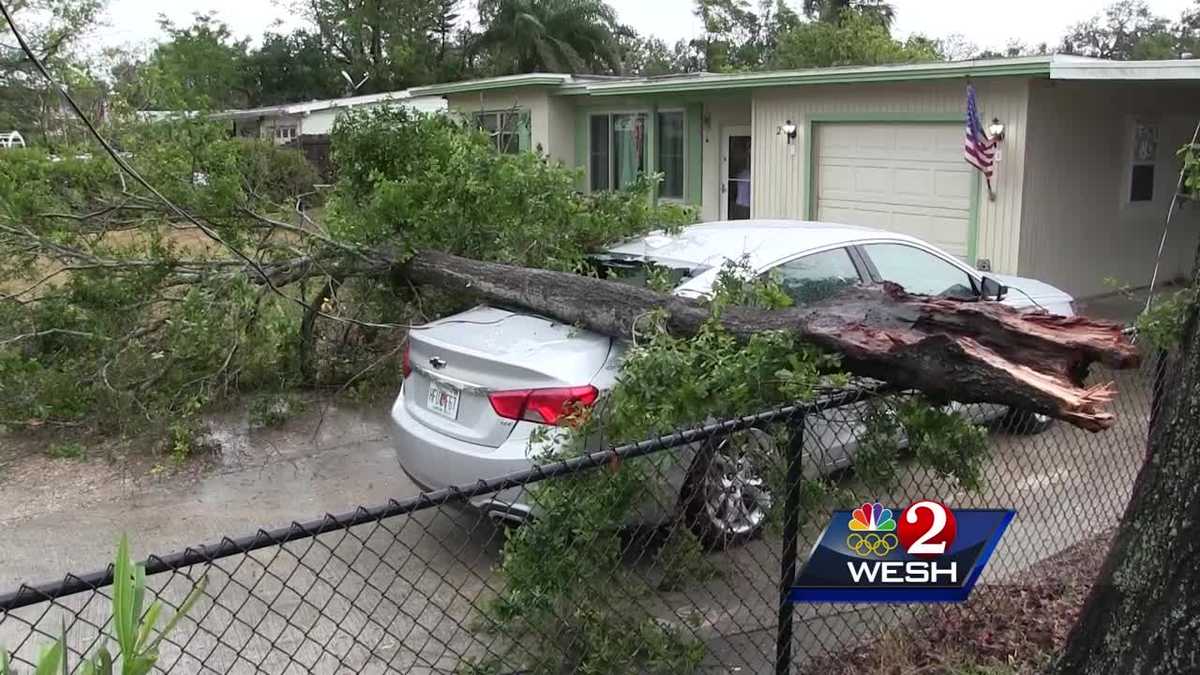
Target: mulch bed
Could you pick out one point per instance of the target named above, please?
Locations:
(1003, 628)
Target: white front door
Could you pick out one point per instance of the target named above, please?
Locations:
(902, 177)
(735, 173)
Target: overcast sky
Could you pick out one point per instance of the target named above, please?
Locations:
(987, 24)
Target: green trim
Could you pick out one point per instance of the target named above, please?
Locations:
(1039, 67)
(694, 149)
(582, 149)
(809, 206)
(507, 82)
(973, 222)
(562, 84)
(693, 177)
(652, 148)
(524, 142)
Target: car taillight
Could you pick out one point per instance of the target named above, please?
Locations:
(545, 406)
(405, 363)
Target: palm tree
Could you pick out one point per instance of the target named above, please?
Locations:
(830, 11)
(568, 36)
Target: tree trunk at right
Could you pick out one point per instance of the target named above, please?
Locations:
(1143, 614)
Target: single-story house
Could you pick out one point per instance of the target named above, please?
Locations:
(1086, 172)
(287, 122)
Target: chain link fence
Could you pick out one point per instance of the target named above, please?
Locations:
(694, 579)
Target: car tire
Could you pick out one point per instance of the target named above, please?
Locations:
(725, 500)
(1026, 423)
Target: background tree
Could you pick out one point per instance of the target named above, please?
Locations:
(566, 36)
(53, 29)
(394, 44)
(199, 67)
(730, 35)
(1127, 29)
(834, 11)
(291, 67)
(856, 39)
(642, 55)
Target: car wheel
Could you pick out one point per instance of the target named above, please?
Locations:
(725, 499)
(1026, 422)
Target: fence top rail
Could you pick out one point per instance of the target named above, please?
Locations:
(72, 584)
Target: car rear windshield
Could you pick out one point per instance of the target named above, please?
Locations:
(638, 271)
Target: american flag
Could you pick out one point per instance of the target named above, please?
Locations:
(978, 149)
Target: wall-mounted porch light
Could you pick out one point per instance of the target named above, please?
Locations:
(788, 130)
(995, 130)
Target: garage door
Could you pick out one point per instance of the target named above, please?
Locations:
(908, 178)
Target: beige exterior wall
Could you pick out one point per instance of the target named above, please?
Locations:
(322, 121)
(551, 118)
(720, 113)
(1078, 227)
(780, 170)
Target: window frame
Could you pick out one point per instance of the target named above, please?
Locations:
(856, 259)
(651, 141)
(284, 139)
(494, 136)
(877, 278)
(651, 117)
(657, 168)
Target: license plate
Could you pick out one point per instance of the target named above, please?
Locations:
(443, 399)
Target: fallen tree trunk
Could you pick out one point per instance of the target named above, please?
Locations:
(965, 351)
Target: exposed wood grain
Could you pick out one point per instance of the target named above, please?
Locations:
(967, 351)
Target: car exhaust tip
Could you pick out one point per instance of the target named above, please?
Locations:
(506, 514)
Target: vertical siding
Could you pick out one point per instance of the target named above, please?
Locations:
(1078, 227)
(721, 113)
(780, 179)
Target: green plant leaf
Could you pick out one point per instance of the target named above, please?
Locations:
(184, 609)
(124, 617)
(104, 662)
(148, 623)
(49, 663)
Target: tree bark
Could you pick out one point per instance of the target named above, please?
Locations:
(1143, 613)
(967, 351)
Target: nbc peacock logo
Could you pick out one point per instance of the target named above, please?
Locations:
(872, 531)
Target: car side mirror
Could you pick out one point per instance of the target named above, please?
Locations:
(990, 289)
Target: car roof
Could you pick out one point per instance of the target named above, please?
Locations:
(762, 241)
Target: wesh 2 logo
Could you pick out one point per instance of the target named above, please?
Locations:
(924, 553)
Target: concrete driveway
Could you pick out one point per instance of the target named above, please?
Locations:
(392, 595)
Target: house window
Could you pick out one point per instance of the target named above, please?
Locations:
(503, 128)
(617, 153)
(285, 133)
(670, 132)
(1141, 173)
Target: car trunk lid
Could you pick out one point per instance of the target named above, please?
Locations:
(459, 360)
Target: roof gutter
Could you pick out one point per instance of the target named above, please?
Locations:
(507, 82)
(1125, 70)
(908, 73)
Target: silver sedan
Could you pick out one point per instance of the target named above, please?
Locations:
(479, 383)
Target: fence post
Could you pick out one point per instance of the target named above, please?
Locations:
(791, 531)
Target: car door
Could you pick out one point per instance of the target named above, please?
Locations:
(830, 435)
(921, 271)
(816, 276)
(918, 270)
